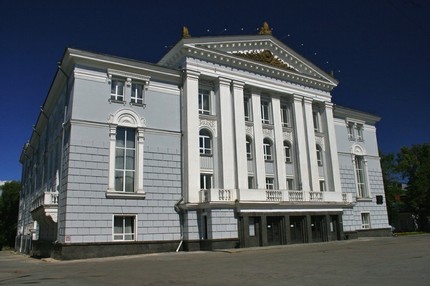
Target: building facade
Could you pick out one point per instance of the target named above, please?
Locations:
(225, 142)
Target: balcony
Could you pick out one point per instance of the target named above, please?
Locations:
(279, 196)
(45, 207)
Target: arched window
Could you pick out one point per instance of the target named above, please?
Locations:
(319, 155)
(248, 148)
(205, 142)
(287, 152)
(267, 149)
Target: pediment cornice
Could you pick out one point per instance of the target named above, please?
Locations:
(259, 54)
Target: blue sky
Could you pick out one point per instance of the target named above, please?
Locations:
(379, 51)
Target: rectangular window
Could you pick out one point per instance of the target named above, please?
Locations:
(125, 157)
(265, 111)
(205, 181)
(322, 186)
(248, 148)
(117, 90)
(361, 177)
(124, 228)
(351, 131)
(365, 220)
(270, 183)
(285, 115)
(137, 90)
(319, 156)
(205, 142)
(316, 120)
(247, 108)
(290, 184)
(204, 101)
(250, 182)
(251, 226)
(267, 150)
(360, 132)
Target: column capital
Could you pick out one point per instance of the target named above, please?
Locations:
(307, 100)
(328, 104)
(191, 74)
(238, 84)
(224, 81)
(297, 97)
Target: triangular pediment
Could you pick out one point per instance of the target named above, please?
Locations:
(263, 53)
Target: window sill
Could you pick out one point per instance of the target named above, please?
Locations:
(125, 195)
(116, 101)
(143, 105)
(205, 155)
(368, 199)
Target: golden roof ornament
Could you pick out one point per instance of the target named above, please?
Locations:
(265, 30)
(185, 33)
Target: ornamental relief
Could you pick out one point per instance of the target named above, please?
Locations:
(287, 135)
(249, 130)
(268, 133)
(264, 56)
(320, 141)
(209, 124)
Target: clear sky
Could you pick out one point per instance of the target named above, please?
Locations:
(378, 49)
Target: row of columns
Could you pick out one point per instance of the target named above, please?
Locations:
(233, 171)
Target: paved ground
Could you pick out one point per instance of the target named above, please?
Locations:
(373, 261)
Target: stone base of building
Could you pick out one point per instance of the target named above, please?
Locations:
(210, 244)
(376, 232)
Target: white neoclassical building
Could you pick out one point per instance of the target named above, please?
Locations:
(229, 141)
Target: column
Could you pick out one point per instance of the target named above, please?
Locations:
(331, 139)
(226, 135)
(260, 167)
(191, 137)
(240, 133)
(139, 167)
(112, 142)
(279, 144)
(301, 144)
(311, 145)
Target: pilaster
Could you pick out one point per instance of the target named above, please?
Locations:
(279, 144)
(311, 145)
(331, 138)
(240, 133)
(260, 171)
(191, 137)
(301, 144)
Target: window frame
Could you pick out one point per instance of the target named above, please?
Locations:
(267, 149)
(266, 111)
(288, 152)
(322, 185)
(285, 114)
(204, 95)
(123, 233)
(316, 121)
(290, 184)
(125, 150)
(319, 154)
(270, 183)
(247, 108)
(365, 220)
(249, 148)
(205, 138)
(134, 100)
(361, 177)
(206, 184)
(116, 97)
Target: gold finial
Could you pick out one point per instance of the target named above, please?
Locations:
(185, 33)
(265, 30)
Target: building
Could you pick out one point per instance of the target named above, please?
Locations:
(228, 141)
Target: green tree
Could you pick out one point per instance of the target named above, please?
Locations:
(414, 165)
(392, 186)
(9, 205)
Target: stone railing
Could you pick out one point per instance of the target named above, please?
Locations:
(45, 199)
(254, 195)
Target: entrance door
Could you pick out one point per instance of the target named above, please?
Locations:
(317, 223)
(274, 230)
(254, 231)
(334, 231)
(297, 229)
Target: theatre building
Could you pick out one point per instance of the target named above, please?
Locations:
(228, 141)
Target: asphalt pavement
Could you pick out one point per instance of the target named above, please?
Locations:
(392, 261)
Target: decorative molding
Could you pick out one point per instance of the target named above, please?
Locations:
(268, 132)
(128, 118)
(265, 56)
(320, 141)
(128, 75)
(288, 135)
(210, 124)
(357, 149)
(249, 130)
